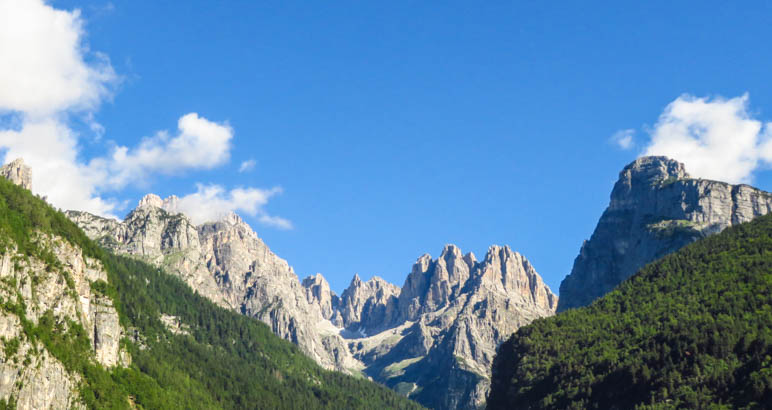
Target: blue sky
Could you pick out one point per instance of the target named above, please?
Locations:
(395, 128)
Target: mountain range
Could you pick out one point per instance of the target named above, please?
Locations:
(84, 328)
(434, 339)
(690, 330)
(438, 333)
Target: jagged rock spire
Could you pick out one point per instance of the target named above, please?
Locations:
(18, 172)
(655, 209)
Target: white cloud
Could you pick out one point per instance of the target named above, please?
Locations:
(48, 75)
(212, 202)
(44, 77)
(43, 69)
(200, 144)
(715, 138)
(50, 148)
(624, 138)
(247, 165)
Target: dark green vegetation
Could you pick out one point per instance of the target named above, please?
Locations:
(226, 361)
(693, 330)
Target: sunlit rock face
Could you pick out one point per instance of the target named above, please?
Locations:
(655, 209)
(18, 173)
(434, 340)
(448, 318)
(228, 263)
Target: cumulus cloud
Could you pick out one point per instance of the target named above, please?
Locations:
(212, 202)
(43, 69)
(624, 138)
(48, 77)
(50, 148)
(200, 144)
(46, 74)
(715, 138)
(247, 165)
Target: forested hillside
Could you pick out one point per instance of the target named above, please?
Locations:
(211, 358)
(693, 329)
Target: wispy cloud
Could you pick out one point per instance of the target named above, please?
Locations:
(247, 165)
(199, 144)
(48, 77)
(716, 138)
(212, 202)
(624, 139)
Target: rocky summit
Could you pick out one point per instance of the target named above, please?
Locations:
(655, 209)
(228, 263)
(17, 172)
(432, 340)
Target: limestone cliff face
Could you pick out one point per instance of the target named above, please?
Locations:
(318, 293)
(368, 306)
(446, 323)
(228, 263)
(29, 374)
(655, 209)
(18, 173)
(59, 288)
(447, 319)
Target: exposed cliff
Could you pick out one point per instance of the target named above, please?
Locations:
(47, 286)
(448, 318)
(229, 264)
(655, 209)
(444, 324)
(64, 303)
(692, 330)
(18, 173)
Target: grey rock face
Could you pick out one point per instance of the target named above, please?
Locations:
(432, 284)
(655, 209)
(448, 318)
(18, 173)
(318, 293)
(368, 306)
(228, 263)
(452, 314)
(43, 382)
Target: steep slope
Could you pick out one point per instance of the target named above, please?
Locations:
(446, 323)
(84, 328)
(691, 330)
(655, 209)
(448, 319)
(228, 263)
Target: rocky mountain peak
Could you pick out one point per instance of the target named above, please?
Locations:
(641, 175)
(655, 209)
(151, 200)
(318, 293)
(169, 204)
(18, 172)
(369, 306)
(508, 271)
(233, 219)
(653, 169)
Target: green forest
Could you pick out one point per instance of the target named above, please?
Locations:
(227, 360)
(691, 330)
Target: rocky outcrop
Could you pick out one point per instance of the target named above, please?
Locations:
(451, 315)
(318, 293)
(447, 319)
(28, 373)
(432, 284)
(368, 306)
(655, 209)
(228, 263)
(18, 173)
